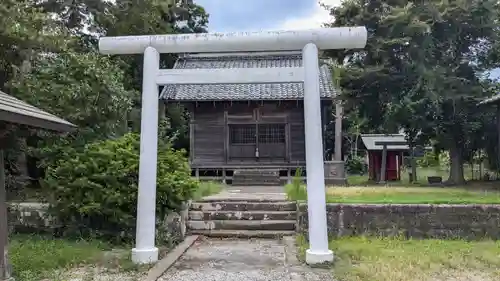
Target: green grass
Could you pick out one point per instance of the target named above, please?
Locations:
(395, 259)
(36, 257)
(207, 188)
(401, 195)
(411, 195)
(422, 174)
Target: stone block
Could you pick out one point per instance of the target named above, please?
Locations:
(416, 220)
(335, 173)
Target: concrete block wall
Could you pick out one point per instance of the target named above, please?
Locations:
(415, 221)
(34, 218)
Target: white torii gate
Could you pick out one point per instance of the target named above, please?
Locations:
(306, 40)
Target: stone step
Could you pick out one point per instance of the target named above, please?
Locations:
(255, 183)
(259, 172)
(243, 206)
(256, 174)
(245, 215)
(242, 225)
(268, 234)
(245, 198)
(255, 177)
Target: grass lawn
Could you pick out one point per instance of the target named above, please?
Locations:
(207, 188)
(411, 195)
(37, 258)
(393, 259)
(402, 195)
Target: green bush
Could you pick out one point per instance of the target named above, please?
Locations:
(94, 190)
(296, 190)
(355, 165)
(429, 159)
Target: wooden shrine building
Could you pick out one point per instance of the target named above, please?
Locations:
(15, 111)
(395, 151)
(246, 126)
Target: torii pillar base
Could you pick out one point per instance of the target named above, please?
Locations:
(319, 257)
(144, 256)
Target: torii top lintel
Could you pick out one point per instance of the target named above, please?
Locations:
(323, 38)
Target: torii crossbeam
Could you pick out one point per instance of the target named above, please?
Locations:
(309, 41)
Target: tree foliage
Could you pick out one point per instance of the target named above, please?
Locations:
(421, 69)
(95, 189)
(87, 89)
(49, 58)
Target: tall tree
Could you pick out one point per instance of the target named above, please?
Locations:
(420, 68)
(24, 30)
(85, 89)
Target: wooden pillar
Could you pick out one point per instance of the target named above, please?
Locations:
(5, 273)
(338, 131)
(289, 176)
(224, 177)
(383, 167)
(498, 133)
(191, 141)
(161, 111)
(402, 158)
(226, 137)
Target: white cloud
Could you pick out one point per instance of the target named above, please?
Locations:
(315, 19)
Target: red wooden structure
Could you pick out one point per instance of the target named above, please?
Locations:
(393, 169)
(395, 146)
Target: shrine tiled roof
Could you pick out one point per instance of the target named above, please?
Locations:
(240, 92)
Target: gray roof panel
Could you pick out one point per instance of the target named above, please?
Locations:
(369, 141)
(15, 111)
(234, 92)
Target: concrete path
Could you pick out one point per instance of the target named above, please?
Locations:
(243, 260)
(273, 193)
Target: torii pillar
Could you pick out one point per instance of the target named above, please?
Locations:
(309, 41)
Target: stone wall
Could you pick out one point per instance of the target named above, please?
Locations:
(416, 221)
(30, 217)
(33, 218)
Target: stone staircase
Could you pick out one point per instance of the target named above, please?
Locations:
(242, 218)
(256, 177)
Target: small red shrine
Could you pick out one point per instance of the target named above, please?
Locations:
(396, 147)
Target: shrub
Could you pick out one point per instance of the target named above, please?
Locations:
(356, 165)
(429, 159)
(94, 190)
(296, 190)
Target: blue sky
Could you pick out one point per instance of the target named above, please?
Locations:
(254, 15)
(495, 74)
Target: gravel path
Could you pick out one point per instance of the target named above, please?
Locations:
(243, 260)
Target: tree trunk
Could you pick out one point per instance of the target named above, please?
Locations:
(413, 164)
(456, 176)
(22, 163)
(356, 145)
